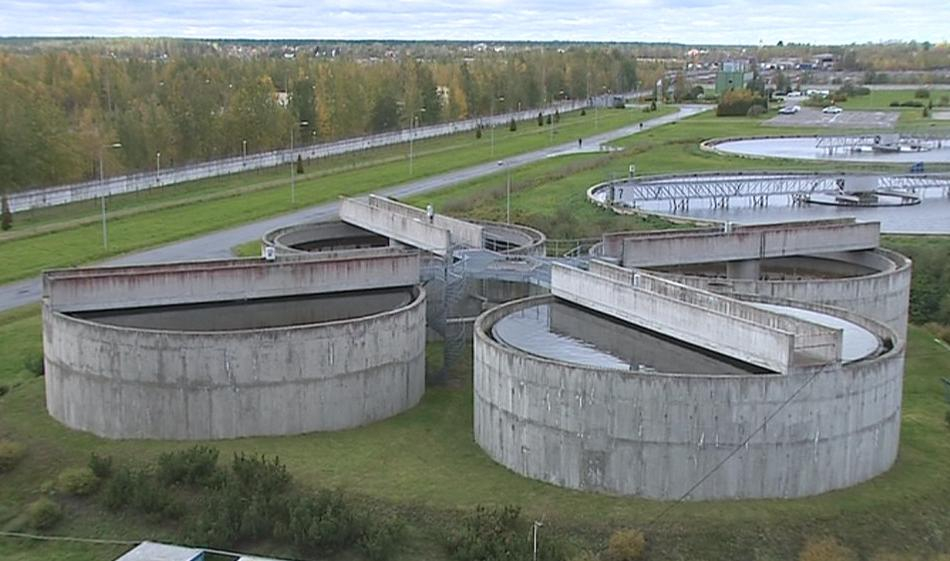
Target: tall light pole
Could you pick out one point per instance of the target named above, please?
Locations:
(500, 98)
(102, 195)
(243, 150)
(158, 167)
(293, 162)
(413, 119)
(507, 165)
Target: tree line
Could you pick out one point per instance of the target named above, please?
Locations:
(65, 110)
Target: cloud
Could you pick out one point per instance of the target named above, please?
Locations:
(681, 21)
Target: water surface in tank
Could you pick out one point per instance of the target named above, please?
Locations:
(259, 313)
(567, 333)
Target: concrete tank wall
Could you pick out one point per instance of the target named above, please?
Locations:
(656, 435)
(120, 382)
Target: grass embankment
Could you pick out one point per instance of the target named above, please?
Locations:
(72, 235)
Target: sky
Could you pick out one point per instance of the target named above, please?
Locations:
(748, 22)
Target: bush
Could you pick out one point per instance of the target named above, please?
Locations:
(944, 101)
(755, 111)
(583, 112)
(322, 523)
(540, 119)
(101, 466)
(259, 475)
(922, 93)
(513, 125)
(911, 103)
(626, 545)
(35, 364)
(197, 465)
(946, 418)
(43, 514)
(77, 481)
(381, 539)
(10, 454)
(118, 489)
(826, 549)
(894, 104)
(4, 390)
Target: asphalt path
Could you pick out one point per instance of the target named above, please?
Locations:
(217, 245)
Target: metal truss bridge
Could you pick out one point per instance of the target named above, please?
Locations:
(758, 186)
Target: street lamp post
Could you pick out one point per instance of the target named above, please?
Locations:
(507, 165)
(158, 167)
(293, 162)
(243, 150)
(414, 119)
(500, 98)
(102, 196)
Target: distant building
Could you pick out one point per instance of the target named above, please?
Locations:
(732, 74)
(824, 61)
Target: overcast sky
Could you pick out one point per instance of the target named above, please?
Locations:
(680, 21)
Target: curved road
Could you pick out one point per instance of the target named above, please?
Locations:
(217, 245)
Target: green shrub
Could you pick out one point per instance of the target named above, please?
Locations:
(79, 481)
(260, 475)
(737, 103)
(946, 418)
(944, 101)
(118, 489)
(755, 111)
(10, 454)
(101, 466)
(322, 523)
(626, 545)
(35, 364)
(894, 104)
(197, 465)
(43, 514)
(490, 534)
(513, 125)
(911, 103)
(4, 390)
(922, 93)
(381, 538)
(826, 549)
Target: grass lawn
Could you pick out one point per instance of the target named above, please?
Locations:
(72, 235)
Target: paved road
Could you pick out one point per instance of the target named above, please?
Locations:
(218, 245)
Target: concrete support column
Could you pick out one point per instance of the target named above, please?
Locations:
(749, 269)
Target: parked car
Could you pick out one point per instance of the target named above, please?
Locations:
(789, 110)
(832, 110)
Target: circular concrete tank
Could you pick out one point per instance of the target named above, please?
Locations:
(332, 235)
(873, 284)
(585, 420)
(271, 366)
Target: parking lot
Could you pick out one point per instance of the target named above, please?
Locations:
(811, 117)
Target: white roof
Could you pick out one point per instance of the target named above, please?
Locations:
(150, 551)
